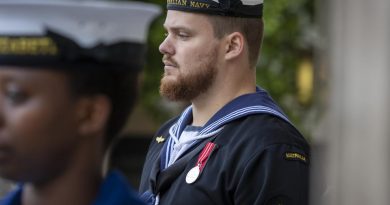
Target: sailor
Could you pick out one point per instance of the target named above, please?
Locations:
(68, 80)
(233, 144)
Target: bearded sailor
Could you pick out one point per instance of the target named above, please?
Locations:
(233, 144)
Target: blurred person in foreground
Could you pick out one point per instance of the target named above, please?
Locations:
(233, 144)
(68, 80)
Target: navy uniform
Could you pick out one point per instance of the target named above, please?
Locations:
(77, 35)
(114, 190)
(258, 158)
(247, 153)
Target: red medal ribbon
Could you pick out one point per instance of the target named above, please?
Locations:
(205, 155)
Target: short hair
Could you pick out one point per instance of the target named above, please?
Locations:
(118, 85)
(251, 29)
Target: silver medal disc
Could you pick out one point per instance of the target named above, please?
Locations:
(192, 175)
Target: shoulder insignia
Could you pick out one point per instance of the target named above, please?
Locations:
(296, 157)
(160, 139)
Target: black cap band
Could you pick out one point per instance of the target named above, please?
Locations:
(235, 8)
(57, 51)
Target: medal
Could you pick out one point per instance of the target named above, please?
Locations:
(192, 175)
(195, 172)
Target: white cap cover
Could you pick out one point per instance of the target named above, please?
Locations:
(37, 28)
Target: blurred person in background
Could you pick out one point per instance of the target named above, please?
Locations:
(233, 144)
(68, 80)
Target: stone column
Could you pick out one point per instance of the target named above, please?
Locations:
(351, 149)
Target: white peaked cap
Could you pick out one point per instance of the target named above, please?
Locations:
(87, 23)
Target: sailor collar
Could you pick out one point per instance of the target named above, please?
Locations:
(259, 102)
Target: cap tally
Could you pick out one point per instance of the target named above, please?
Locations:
(235, 8)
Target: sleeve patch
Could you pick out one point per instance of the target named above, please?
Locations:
(295, 156)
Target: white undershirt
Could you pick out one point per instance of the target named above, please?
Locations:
(187, 137)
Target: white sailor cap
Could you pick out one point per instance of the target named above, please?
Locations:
(47, 32)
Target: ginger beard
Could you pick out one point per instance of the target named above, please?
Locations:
(194, 81)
